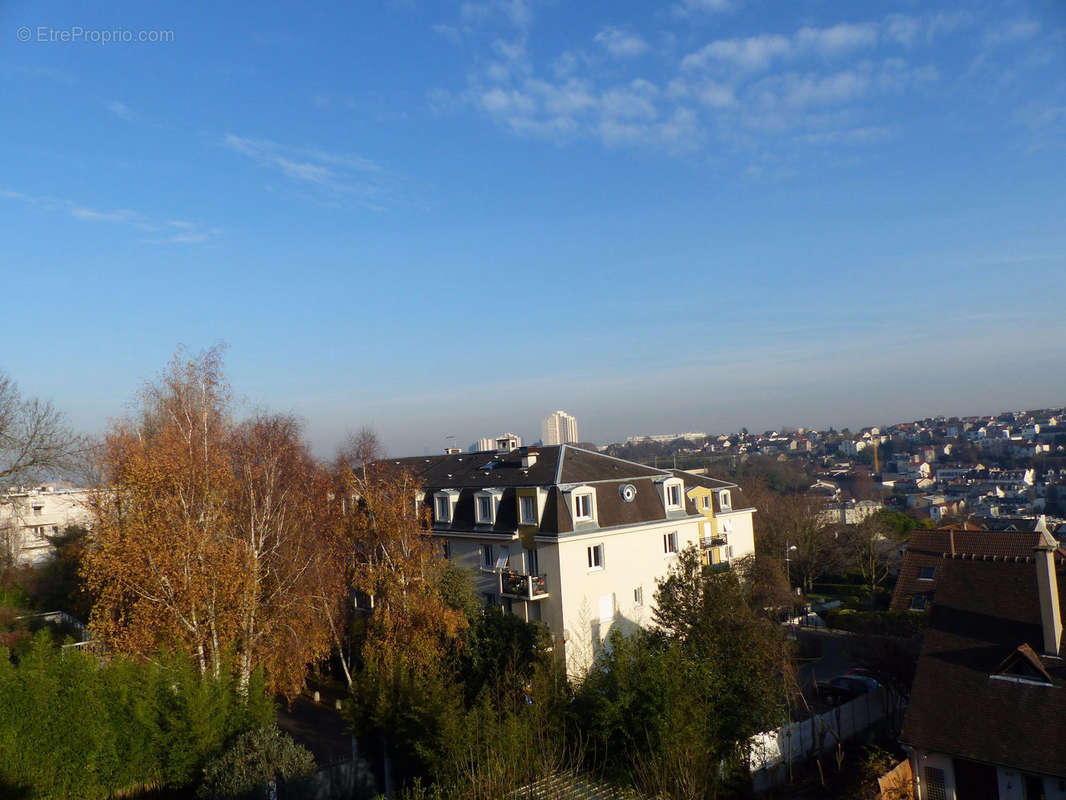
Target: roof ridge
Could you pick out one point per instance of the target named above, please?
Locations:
(616, 458)
(1023, 651)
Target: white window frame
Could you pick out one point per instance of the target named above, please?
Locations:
(493, 496)
(667, 488)
(449, 497)
(725, 500)
(705, 502)
(595, 557)
(670, 544)
(583, 492)
(487, 553)
(523, 519)
(582, 506)
(484, 508)
(638, 596)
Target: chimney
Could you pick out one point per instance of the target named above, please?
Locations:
(529, 455)
(1048, 586)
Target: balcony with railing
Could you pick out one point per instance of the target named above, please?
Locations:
(716, 551)
(523, 587)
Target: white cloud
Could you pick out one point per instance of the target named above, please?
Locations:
(836, 39)
(752, 53)
(174, 231)
(449, 32)
(338, 175)
(758, 53)
(1011, 32)
(80, 212)
(804, 91)
(750, 93)
(515, 12)
(618, 104)
(121, 110)
(501, 101)
(687, 8)
(717, 95)
(621, 43)
(850, 136)
(902, 29)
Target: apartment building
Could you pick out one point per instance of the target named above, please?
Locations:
(576, 539)
(29, 516)
(558, 428)
(505, 442)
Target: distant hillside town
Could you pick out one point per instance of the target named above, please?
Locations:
(992, 468)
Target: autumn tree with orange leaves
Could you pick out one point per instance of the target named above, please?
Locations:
(389, 562)
(209, 533)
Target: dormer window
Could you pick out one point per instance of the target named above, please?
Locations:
(582, 502)
(1023, 666)
(725, 500)
(527, 510)
(582, 506)
(706, 501)
(444, 505)
(485, 504)
(672, 494)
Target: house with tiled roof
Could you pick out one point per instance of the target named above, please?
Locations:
(573, 538)
(987, 713)
(916, 586)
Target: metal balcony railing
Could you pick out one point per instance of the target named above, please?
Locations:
(523, 587)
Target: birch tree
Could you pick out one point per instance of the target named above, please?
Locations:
(206, 533)
(35, 442)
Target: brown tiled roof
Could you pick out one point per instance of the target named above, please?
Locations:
(985, 611)
(927, 549)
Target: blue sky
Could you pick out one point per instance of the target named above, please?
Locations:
(452, 218)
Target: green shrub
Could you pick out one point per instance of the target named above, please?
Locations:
(880, 623)
(254, 760)
(74, 727)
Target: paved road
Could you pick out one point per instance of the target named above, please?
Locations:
(834, 656)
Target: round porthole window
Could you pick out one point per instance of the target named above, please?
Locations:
(629, 492)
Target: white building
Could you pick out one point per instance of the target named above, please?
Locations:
(504, 443)
(28, 517)
(666, 438)
(577, 539)
(558, 428)
(850, 447)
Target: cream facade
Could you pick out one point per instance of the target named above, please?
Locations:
(574, 539)
(29, 517)
(558, 428)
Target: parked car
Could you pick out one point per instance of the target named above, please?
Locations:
(859, 684)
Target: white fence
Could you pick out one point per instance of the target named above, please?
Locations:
(773, 751)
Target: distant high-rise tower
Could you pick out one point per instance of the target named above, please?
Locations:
(558, 428)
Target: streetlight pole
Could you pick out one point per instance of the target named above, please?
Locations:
(788, 577)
